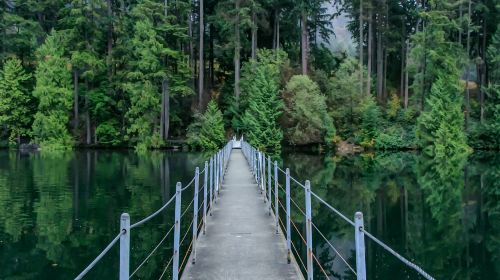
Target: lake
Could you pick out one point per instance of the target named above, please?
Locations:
(58, 211)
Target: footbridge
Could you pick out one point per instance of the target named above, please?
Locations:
(240, 226)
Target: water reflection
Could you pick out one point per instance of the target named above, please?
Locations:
(57, 211)
(445, 214)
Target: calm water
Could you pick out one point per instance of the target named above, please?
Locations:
(58, 211)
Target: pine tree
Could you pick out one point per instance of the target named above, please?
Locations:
(54, 95)
(207, 131)
(306, 119)
(15, 101)
(260, 85)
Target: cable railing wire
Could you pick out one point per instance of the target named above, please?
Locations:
(334, 249)
(99, 257)
(333, 209)
(321, 267)
(154, 214)
(152, 252)
(166, 267)
(394, 253)
(189, 184)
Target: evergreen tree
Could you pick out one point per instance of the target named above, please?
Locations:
(207, 131)
(54, 95)
(306, 119)
(260, 85)
(441, 126)
(146, 74)
(15, 101)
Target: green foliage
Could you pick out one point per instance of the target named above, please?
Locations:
(108, 133)
(15, 102)
(440, 127)
(370, 121)
(54, 95)
(344, 99)
(306, 119)
(260, 86)
(207, 131)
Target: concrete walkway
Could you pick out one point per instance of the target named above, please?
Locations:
(240, 242)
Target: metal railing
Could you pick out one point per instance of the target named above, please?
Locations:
(257, 161)
(213, 174)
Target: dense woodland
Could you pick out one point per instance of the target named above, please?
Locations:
(145, 73)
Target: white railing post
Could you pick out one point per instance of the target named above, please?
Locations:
(216, 180)
(124, 246)
(177, 231)
(264, 175)
(211, 182)
(288, 233)
(195, 211)
(205, 186)
(309, 231)
(269, 194)
(276, 197)
(359, 237)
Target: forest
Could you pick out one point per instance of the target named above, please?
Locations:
(150, 74)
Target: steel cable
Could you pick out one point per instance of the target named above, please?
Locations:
(189, 184)
(401, 258)
(334, 249)
(321, 267)
(153, 251)
(298, 256)
(333, 209)
(99, 257)
(166, 267)
(154, 214)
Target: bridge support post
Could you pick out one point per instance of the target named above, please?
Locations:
(124, 246)
(288, 235)
(195, 211)
(359, 237)
(309, 231)
(269, 196)
(211, 182)
(216, 176)
(276, 197)
(205, 186)
(177, 231)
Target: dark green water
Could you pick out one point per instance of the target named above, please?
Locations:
(445, 215)
(57, 212)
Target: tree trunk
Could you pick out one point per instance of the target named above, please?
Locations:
(109, 58)
(402, 72)
(483, 72)
(165, 112)
(370, 42)
(277, 30)
(361, 46)
(380, 64)
(467, 91)
(303, 42)
(406, 74)
(88, 132)
(201, 71)
(75, 106)
(237, 54)
(212, 58)
(460, 16)
(254, 35)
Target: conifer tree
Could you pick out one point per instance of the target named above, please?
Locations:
(260, 85)
(15, 101)
(207, 131)
(54, 95)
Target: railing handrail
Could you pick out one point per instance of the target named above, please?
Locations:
(221, 157)
(254, 157)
